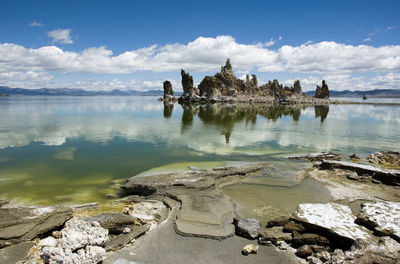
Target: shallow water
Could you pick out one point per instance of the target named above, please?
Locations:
(68, 150)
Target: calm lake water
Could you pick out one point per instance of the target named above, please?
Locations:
(68, 150)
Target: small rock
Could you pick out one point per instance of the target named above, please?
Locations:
(280, 221)
(313, 260)
(265, 242)
(148, 211)
(309, 238)
(355, 156)
(126, 230)
(338, 256)
(292, 226)
(125, 210)
(376, 181)
(48, 242)
(353, 176)
(250, 249)
(248, 228)
(324, 256)
(56, 234)
(304, 251)
(282, 245)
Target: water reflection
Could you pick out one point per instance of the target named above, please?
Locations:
(321, 111)
(225, 116)
(168, 108)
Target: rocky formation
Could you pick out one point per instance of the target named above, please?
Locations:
(205, 211)
(168, 91)
(319, 156)
(334, 219)
(81, 242)
(383, 217)
(224, 86)
(386, 158)
(23, 223)
(322, 91)
(223, 83)
(330, 233)
(188, 88)
(386, 176)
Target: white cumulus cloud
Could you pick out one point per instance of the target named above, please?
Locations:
(60, 36)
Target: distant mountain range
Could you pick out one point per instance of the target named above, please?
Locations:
(74, 92)
(377, 93)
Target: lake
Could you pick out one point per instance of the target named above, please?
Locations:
(69, 150)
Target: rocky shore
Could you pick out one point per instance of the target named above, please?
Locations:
(225, 87)
(177, 216)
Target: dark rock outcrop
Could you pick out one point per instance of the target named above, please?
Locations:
(188, 88)
(322, 91)
(168, 91)
(224, 83)
(296, 87)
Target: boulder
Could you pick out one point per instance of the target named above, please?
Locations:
(274, 234)
(292, 227)
(248, 228)
(381, 216)
(322, 92)
(23, 223)
(80, 242)
(304, 251)
(332, 219)
(78, 233)
(250, 249)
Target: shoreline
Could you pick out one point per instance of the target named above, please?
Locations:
(271, 101)
(190, 207)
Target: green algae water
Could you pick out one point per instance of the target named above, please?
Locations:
(70, 150)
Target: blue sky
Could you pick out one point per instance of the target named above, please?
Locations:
(107, 45)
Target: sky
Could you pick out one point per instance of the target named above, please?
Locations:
(106, 45)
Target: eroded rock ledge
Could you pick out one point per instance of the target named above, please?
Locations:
(205, 211)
